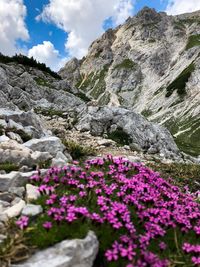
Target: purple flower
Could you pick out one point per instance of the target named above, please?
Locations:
(23, 222)
(47, 225)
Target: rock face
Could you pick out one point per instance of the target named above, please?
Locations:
(151, 63)
(28, 88)
(129, 128)
(69, 253)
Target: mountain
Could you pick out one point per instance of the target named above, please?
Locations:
(150, 64)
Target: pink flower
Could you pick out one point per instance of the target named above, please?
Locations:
(23, 222)
(47, 225)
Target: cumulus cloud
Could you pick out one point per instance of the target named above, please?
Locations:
(182, 6)
(46, 53)
(83, 19)
(12, 25)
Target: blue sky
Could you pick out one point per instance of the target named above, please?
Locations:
(40, 31)
(53, 31)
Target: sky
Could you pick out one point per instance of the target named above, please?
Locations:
(53, 31)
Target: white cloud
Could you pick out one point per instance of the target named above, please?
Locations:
(46, 53)
(182, 6)
(12, 25)
(83, 19)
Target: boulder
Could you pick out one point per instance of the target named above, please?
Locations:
(68, 253)
(61, 160)
(32, 210)
(49, 144)
(18, 154)
(133, 129)
(15, 210)
(31, 192)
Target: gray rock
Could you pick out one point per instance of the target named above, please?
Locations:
(18, 191)
(31, 192)
(51, 145)
(15, 210)
(32, 210)
(140, 134)
(61, 159)
(69, 253)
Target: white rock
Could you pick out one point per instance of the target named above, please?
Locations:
(48, 144)
(32, 210)
(69, 253)
(60, 160)
(4, 138)
(32, 192)
(15, 210)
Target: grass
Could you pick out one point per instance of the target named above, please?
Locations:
(24, 136)
(179, 83)
(83, 96)
(78, 151)
(188, 141)
(8, 167)
(49, 112)
(183, 174)
(193, 40)
(126, 64)
(42, 82)
(120, 137)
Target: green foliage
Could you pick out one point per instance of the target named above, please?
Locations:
(105, 99)
(8, 167)
(30, 62)
(24, 136)
(185, 174)
(126, 64)
(78, 151)
(50, 112)
(188, 138)
(83, 96)
(42, 82)
(146, 113)
(179, 83)
(119, 136)
(193, 40)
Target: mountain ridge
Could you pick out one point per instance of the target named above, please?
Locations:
(151, 64)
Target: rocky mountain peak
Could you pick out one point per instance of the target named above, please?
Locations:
(148, 15)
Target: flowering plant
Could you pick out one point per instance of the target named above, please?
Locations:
(140, 218)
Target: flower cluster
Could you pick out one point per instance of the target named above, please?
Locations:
(135, 202)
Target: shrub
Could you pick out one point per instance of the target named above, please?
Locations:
(139, 218)
(179, 83)
(30, 62)
(78, 151)
(120, 137)
(126, 64)
(193, 40)
(8, 167)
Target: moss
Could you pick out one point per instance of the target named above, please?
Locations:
(146, 113)
(78, 151)
(42, 82)
(126, 64)
(49, 112)
(179, 83)
(120, 137)
(193, 40)
(83, 97)
(8, 167)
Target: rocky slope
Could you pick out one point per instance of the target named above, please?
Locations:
(26, 88)
(150, 64)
